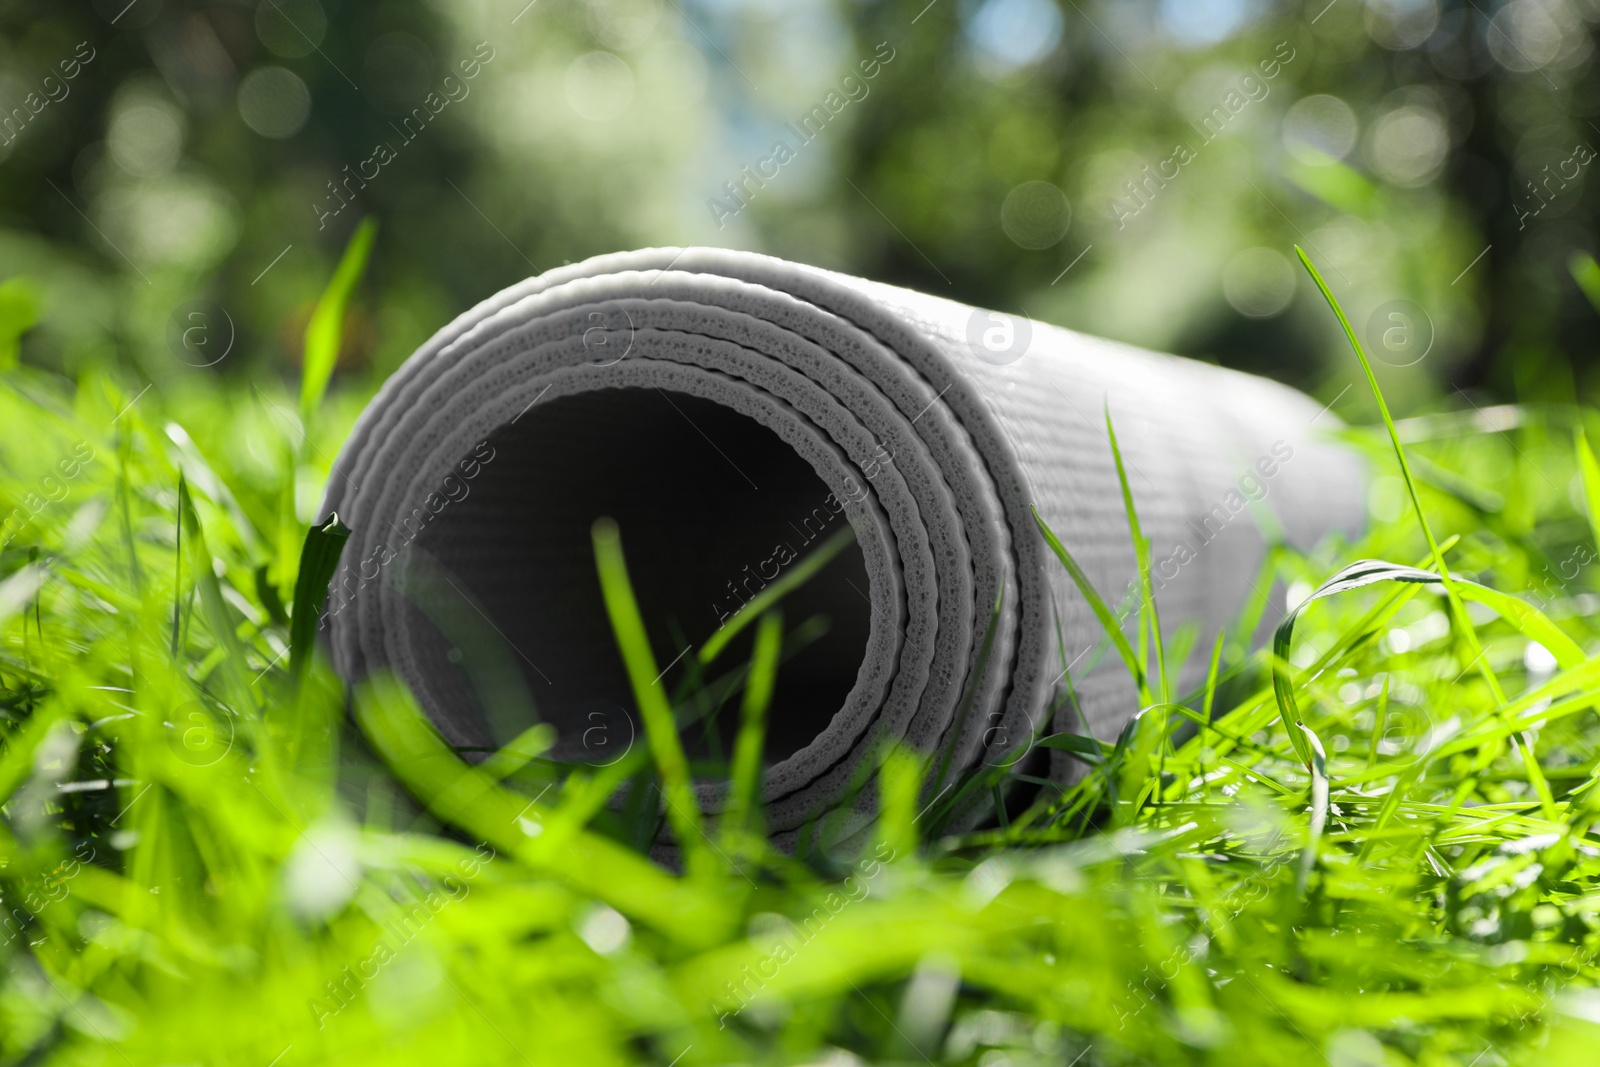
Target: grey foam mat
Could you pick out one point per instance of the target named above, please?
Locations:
(732, 411)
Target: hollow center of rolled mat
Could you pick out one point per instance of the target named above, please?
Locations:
(712, 506)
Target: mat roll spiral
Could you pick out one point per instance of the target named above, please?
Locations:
(733, 412)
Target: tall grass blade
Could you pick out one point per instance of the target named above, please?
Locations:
(757, 605)
(1589, 469)
(319, 558)
(1451, 594)
(1131, 769)
(661, 729)
(1149, 620)
(1097, 604)
(325, 332)
(219, 620)
(1523, 745)
(1211, 676)
(524, 830)
(1318, 766)
(1586, 272)
(900, 781)
(1527, 619)
(745, 780)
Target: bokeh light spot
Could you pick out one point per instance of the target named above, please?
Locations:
(1258, 282)
(1035, 215)
(1011, 34)
(274, 102)
(1401, 24)
(1319, 129)
(599, 86)
(1407, 146)
(146, 138)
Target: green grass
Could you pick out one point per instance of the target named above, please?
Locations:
(1368, 844)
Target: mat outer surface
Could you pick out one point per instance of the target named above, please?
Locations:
(713, 401)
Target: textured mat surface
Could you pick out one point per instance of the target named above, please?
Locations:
(733, 412)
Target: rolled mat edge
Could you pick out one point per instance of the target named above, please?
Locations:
(933, 428)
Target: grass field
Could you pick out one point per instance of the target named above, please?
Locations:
(1368, 844)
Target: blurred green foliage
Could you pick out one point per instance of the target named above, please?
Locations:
(203, 860)
(1137, 169)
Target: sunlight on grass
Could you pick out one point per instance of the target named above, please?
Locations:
(1368, 843)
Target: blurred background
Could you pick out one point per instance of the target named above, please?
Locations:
(177, 177)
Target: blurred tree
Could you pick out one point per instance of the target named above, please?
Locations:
(1137, 168)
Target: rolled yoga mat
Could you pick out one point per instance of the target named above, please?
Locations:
(733, 412)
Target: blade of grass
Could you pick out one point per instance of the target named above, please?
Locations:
(212, 605)
(1207, 701)
(1319, 806)
(325, 331)
(1256, 606)
(1450, 592)
(319, 558)
(1527, 619)
(457, 793)
(1530, 765)
(1586, 272)
(1091, 750)
(1211, 676)
(1132, 763)
(1590, 470)
(745, 785)
(1380, 723)
(900, 781)
(521, 750)
(661, 730)
(1097, 604)
(757, 605)
(1149, 620)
